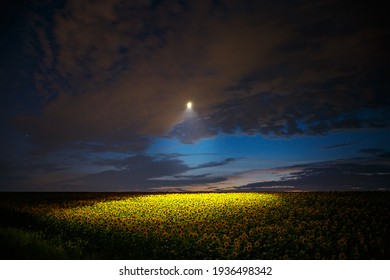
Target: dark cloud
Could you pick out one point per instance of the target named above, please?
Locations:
(311, 112)
(145, 173)
(193, 176)
(115, 145)
(10, 169)
(9, 177)
(385, 155)
(138, 172)
(176, 155)
(113, 67)
(336, 146)
(329, 176)
(192, 130)
(142, 165)
(373, 151)
(29, 176)
(321, 83)
(215, 164)
(113, 63)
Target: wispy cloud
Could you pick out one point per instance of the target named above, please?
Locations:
(215, 164)
(145, 173)
(338, 175)
(336, 146)
(372, 151)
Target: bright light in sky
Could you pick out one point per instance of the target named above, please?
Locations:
(189, 105)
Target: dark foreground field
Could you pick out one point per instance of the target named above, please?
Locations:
(334, 225)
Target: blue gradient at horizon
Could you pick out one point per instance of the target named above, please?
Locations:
(254, 155)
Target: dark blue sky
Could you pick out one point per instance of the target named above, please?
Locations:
(287, 95)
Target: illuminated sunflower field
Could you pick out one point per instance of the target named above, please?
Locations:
(195, 225)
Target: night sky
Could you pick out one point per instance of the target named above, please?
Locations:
(287, 95)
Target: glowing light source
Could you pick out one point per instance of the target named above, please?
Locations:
(189, 105)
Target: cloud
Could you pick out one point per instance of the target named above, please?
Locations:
(28, 176)
(385, 155)
(193, 176)
(143, 165)
(373, 151)
(144, 173)
(336, 146)
(317, 82)
(343, 175)
(176, 155)
(131, 67)
(115, 72)
(9, 177)
(215, 164)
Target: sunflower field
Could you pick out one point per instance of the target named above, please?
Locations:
(323, 225)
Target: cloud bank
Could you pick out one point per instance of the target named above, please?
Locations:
(118, 73)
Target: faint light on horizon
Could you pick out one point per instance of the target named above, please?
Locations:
(189, 105)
